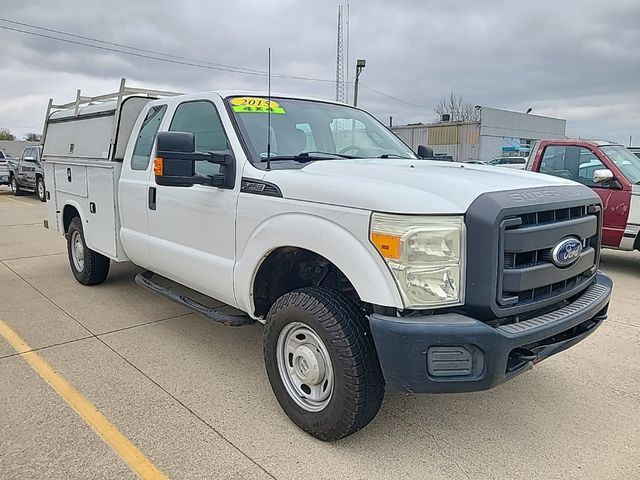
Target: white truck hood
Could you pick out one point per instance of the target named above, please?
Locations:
(402, 186)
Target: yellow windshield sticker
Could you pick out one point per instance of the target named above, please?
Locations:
(255, 105)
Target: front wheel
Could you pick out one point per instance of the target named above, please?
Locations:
(89, 267)
(15, 188)
(322, 363)
(42, 195)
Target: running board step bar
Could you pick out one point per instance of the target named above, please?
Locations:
(232, 320)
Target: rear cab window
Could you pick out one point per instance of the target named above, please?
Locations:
(146, 137)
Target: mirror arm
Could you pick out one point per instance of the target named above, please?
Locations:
(222, 157)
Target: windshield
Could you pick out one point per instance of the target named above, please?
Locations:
(315, 129)
(626, 161)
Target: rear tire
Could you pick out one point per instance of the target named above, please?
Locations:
(322, 363)
(88, 267)
(15, 188)
(40, 190)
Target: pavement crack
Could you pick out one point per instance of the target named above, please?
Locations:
(440, 449)
(178, 401)
(27, 257)
(191, 411)
(37, 349)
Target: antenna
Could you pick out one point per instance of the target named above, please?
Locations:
(269, 112)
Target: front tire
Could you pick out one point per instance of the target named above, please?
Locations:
(15, 188)
(322, 363)
(40, 190)
(89, 267)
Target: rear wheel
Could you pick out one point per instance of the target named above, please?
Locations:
(322, 363)
(15, 188)
(41, 190)
(89, 267)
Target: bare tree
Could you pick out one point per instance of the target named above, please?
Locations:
(458, 110)
(32, 137)
(5, 134)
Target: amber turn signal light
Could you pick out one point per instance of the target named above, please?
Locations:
(387, 245)
(158, 167)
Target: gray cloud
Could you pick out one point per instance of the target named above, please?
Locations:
(575, 60)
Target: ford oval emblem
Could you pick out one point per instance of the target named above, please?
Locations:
(566, 252)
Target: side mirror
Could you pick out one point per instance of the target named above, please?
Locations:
(29, 159)
(425, 152)
(603, 175)
(176, 159)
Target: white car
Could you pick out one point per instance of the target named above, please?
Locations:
(371, 269)
(517, 163)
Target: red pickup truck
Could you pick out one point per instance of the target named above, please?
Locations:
(610, 169)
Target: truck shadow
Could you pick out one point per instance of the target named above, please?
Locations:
(615, 261)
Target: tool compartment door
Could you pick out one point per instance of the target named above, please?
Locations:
(71, 178)
(100, 223)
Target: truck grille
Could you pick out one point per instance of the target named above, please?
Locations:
(527, 274)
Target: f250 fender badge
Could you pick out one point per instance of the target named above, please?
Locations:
(566, 252)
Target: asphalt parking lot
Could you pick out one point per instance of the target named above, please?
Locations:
(194, 398)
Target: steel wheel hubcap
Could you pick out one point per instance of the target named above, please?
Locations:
(305, 366)
(14, 185)
(77, 251)
(40, 189)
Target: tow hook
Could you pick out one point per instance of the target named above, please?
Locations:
(524, 355)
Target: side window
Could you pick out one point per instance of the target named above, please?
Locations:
(589, 163)
(146, 137)
(201, 118)
(571, 162)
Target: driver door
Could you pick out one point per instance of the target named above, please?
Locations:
(192, 229)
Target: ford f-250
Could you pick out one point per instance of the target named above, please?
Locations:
(370, 268)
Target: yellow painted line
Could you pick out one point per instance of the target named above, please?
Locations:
(17, 201)
(132, 456)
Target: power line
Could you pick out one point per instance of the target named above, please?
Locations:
(150, 54)
(74, 35)
(395, 98)
(185, 61)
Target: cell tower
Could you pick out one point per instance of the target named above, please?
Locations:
(340, 59)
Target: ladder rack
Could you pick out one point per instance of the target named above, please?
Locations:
(119, 96)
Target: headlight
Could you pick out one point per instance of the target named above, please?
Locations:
(425, 255)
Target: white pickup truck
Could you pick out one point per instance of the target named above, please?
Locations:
(370, 268)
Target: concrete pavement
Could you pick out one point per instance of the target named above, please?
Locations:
(194, 397)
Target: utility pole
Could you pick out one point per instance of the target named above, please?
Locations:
(360, 64)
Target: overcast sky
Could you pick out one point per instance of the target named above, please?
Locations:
(578, 60)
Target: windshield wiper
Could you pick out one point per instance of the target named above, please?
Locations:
(392, 155)
(304, 157)
(339, 155)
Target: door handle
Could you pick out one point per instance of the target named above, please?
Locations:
(68, 174)
(152, 198)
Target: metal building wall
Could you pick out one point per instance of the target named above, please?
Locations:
(484, 140)
(460, 140)
(412, 135)
(504, 123)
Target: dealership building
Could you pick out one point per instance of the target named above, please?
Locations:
(496, 133)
